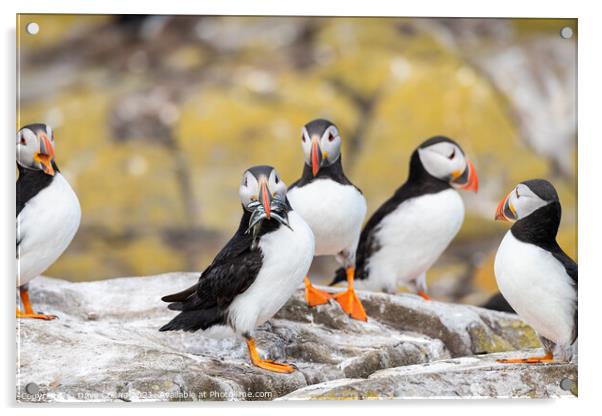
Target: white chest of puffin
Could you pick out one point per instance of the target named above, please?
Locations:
(45, 227)
(334, 212)
(424, 225)
(257, 271)
(409, 232)
(332, 206)
(286, 257)
(533, 274)
(48, 211)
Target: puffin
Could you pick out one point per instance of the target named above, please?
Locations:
(408, 233)
(333, 207)
(48, 210)
(255, 273)
(532, 272)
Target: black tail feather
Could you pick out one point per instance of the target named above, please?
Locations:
(194, 320)
(180, 296)
(339, 276)
(176, 306)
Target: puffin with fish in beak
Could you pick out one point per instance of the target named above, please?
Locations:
(256, 272)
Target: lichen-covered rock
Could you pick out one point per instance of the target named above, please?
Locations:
(106, 345)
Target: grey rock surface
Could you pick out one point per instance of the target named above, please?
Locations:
(475, 377)
(105, 346)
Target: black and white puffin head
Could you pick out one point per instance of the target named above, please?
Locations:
(321, 144)
(35, 148)
(526, 198)
(263, 194)
(444, 159)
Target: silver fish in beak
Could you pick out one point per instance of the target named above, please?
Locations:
(276, 210)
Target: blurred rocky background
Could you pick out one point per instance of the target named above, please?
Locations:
(156, 117)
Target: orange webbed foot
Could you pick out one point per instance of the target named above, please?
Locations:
(315, 297)
(34, 315)
(549, 357)
(267, 364)
(423, 295)
(349, 301)
(29, 313)
(352, 305)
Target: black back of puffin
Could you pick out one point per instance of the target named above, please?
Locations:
(232, 271)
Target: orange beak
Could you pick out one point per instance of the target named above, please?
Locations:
(467, 179)
(505, 211)
(316, 156)
(264, 197)
(45, 155)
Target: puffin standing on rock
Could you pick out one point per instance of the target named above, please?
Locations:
(48, 211)
(535, 276)
(257, 271)
(408, 233)
(333, 207)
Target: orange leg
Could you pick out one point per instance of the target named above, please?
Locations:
(29, 313)
(266, 364)
(349, 301)
(423, 295)
(313, 296)
(549, 357)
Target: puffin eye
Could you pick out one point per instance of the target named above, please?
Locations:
(517, 195)
(303, 138)
(276, 179)
(330, 137)
(452, 154)
(23, 141)
(245, 181)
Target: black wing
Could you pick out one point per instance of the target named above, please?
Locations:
(367, 244)
(232, 271)
(569, 264)
(207, 302)
(29, 184)
(571, 269)
(498, 302)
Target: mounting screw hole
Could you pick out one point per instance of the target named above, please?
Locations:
(566, 32)
(32, 28)
(566, 384)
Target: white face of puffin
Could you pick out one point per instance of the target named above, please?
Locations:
(321, 144)
(263, 193)
(446, 161)
(35, 148)
(261, 184)
(519, 203)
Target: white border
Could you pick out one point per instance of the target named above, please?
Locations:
(590, 203)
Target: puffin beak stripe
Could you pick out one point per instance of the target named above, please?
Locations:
(316, 157)
(45, 155)
(264, 198)
(46, 147)
(468, 179)
(505, 211)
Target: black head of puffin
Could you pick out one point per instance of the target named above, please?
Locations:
(526, 198)
(35, 147)
(444, 159)
(321, 144)
(263, 193)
